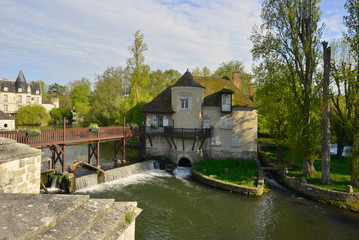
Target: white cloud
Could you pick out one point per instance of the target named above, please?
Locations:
(59, 41)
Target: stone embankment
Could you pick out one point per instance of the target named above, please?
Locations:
(338, 198)
(37, 216)
(258, 191)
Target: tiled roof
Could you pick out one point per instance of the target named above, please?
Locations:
(213, 88)
(187, 80)
(4, 116)
(160, 104)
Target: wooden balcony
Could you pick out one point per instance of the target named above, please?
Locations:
(180, 132)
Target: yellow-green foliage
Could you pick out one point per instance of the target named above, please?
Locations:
(32, 115)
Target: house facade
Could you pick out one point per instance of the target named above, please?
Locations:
(19, 93)
(15, 94)
(202, 117)
(7, 123)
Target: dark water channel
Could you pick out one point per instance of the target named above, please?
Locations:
(177, 207)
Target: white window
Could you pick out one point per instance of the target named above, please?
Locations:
(226, 102)
(184, 103)
(236, 142)
(5, 98)
(206, 123)
(18, 107)
(19, 98)
(37, 92)
(28, 99)
(37, 100)
(160, 120)
(6, 89)
(216, 141)
(226, 123)
(20, 89)
(5, 108)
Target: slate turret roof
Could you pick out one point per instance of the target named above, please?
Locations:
(13, 86)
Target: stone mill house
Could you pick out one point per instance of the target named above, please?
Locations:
(202, 117)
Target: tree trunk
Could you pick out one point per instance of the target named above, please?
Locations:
(340, 147)
(280, 152)
(325, 118)
(308, 167)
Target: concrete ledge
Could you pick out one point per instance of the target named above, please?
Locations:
(258, 191)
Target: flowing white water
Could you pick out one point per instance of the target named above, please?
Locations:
(182, 172)
(132, 172)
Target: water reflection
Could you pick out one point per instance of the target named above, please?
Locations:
(181, 208)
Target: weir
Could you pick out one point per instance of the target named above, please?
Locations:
(114, 174)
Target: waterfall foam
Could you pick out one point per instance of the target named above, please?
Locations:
(114, 174)
(182, 172)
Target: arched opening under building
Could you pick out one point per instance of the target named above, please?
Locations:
(5, 125)
(184, 162)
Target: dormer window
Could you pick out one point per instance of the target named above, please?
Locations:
(37, 92)
(19, 89)
(6, 89)
(226, 102)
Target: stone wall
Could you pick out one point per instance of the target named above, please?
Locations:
(309, 190)
(319, 193)
(20, 167)
(258, 191)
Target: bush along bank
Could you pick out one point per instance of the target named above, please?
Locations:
(347, 200)
(233, 175)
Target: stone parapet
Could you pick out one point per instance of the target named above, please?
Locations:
(20, 167)
(258, 191)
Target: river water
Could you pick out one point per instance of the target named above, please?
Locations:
(178, 207)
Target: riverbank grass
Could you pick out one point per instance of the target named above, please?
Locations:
(339, 170)
(237, 171)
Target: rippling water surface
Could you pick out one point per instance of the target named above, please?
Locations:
(178, 207)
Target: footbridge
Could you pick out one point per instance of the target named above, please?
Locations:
(57, 140)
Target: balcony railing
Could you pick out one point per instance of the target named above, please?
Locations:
(180, 132)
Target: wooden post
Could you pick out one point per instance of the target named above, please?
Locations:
(63, 158)
(98, 154)
(64, 129)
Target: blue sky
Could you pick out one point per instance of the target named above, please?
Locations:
(61, 41)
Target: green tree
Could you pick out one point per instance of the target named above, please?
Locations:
(80, 96)
(342, 94)
(58, 114)
(43, 89)
(290, 32)
(137, 73)
(108, 98)
(352, 23)
(161, 79)
(272, 87)
(55, 90)
(32, 115)
(204, 72)
(62, 93)
(227, 69)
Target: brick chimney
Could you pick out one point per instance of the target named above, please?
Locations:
(251, 94)
(237, 78)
